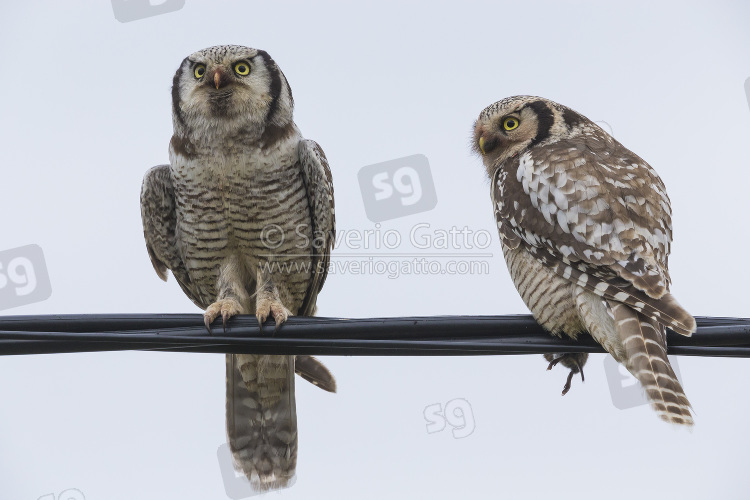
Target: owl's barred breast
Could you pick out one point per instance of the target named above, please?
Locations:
(233, 217)
(549, 297)
(240, 205)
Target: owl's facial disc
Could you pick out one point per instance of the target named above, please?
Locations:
(504, 134)
(229, 87)
(226, 86)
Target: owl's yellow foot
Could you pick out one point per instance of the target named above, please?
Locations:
(226, 307)
(268, 305)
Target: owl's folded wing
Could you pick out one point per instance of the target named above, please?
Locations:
(319, 187)
(596, 214)
(159, 221)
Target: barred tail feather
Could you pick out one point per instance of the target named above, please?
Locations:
(262, 419)
(644, 342)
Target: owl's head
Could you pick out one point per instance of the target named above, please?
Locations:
(516, 124)
(229, 87)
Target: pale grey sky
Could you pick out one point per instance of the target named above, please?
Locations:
(87, 111)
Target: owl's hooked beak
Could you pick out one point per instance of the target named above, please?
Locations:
(488, 144)
(219, 79)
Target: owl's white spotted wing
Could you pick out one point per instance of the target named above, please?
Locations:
(159, 221)
(596, 214)
(319, 186)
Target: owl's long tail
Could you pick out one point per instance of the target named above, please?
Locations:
(644, 342)
(262, 418)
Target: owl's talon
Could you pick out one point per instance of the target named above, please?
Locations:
(224, 307)
(568, 383)
(572, 361)
(224, 317)
(272, 307)
(261, 319)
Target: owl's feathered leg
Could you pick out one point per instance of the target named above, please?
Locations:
(571, 360)
(268, 302)
(232, 297)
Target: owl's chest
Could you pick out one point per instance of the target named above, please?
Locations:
(234, 199)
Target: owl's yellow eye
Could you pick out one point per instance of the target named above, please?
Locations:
(242, 68)
(200, 70)
(510, 123)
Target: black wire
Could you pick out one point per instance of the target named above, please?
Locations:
(416, 336)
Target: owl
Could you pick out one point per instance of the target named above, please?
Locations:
(585, 227)
(243, 216)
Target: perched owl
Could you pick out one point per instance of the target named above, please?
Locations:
(586, 230)
(243, 216)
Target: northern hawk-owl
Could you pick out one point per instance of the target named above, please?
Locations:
(586, 230)
(243, 216)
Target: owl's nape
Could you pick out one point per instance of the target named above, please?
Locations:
(574, 361)
(585, 228)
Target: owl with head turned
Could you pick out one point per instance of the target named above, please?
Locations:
(238, 165)
(586, 230)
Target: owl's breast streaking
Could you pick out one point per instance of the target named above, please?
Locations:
(243, 202)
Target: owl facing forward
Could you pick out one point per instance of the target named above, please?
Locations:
(239, 166)
(585, 227)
